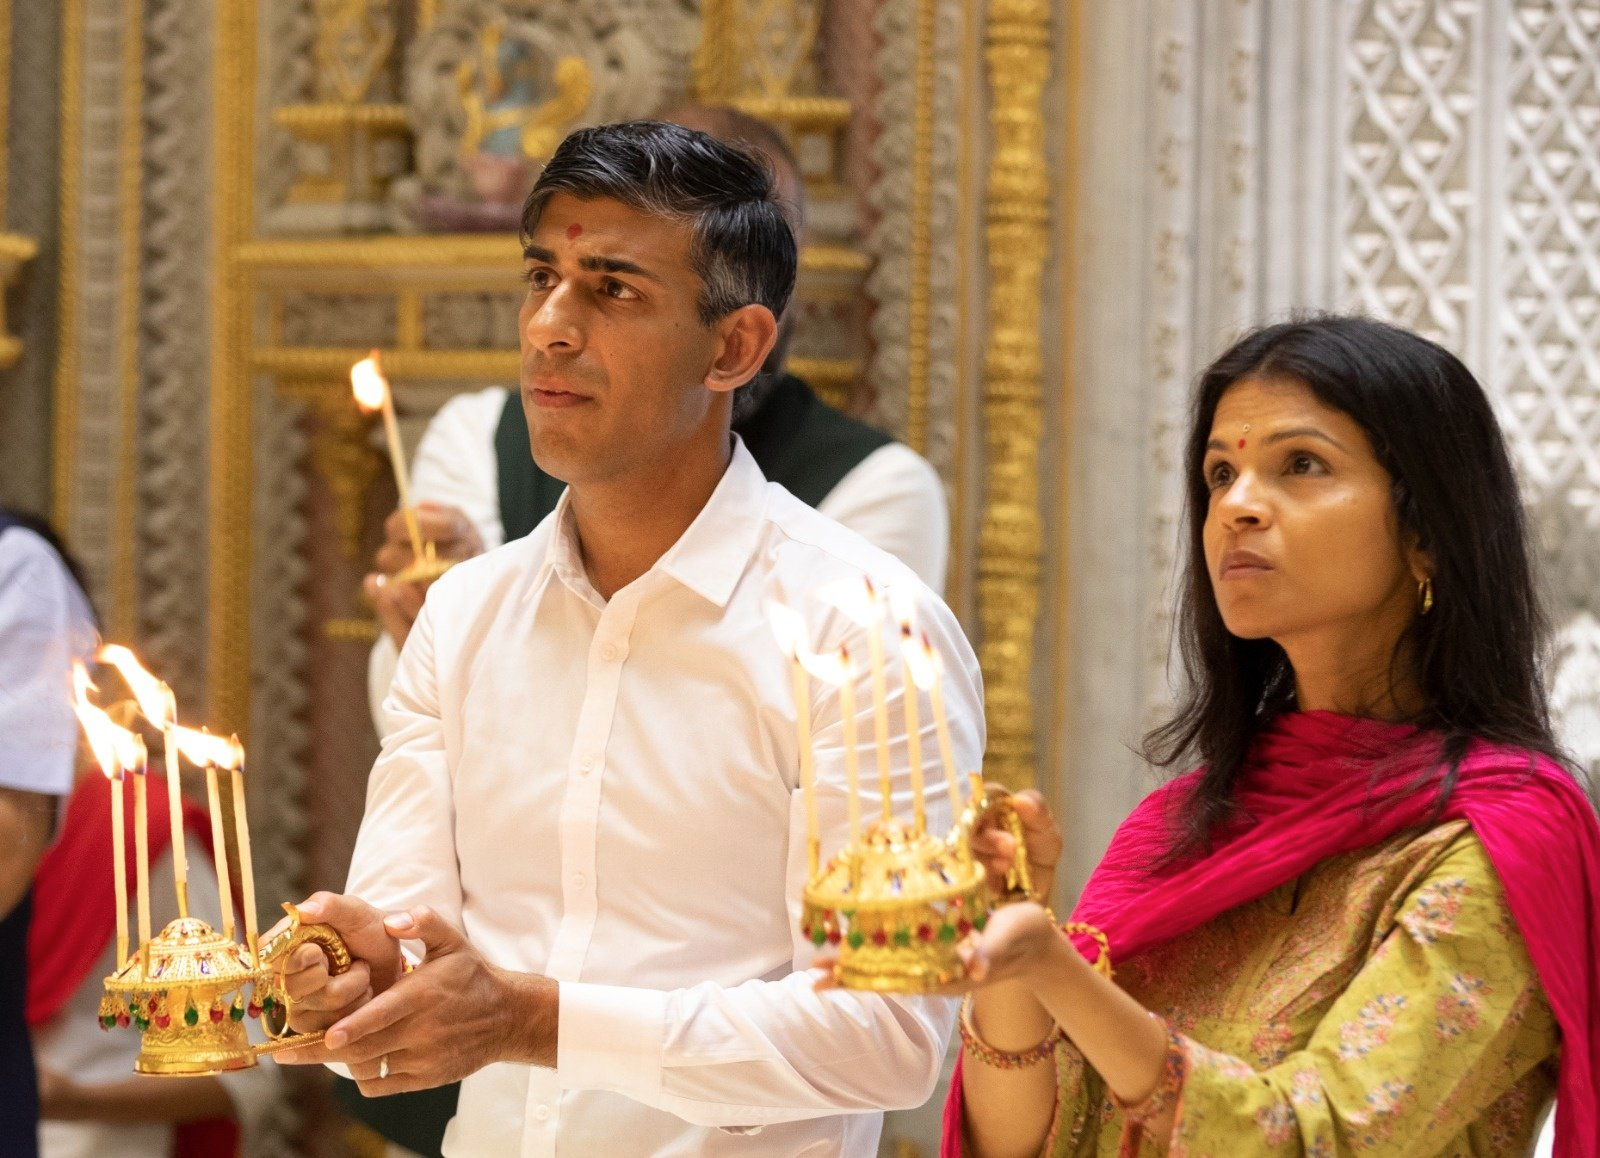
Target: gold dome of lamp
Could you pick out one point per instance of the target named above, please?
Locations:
(184, 989)
(373, 394)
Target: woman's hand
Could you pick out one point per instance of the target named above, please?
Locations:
(1018, 942)
(996, 849)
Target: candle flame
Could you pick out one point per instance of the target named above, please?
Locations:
(857, 598)
(788, 628)
(115, 749)
(368, 382)
(155, 698)
(237, 755)
(920, 660)
(201, 747)
(831, 667)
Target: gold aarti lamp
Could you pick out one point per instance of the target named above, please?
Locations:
(189, 988)
(896, 900)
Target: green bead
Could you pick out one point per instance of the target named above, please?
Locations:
(856, 938)
(191, 1016)
(902, 936)
(108, 1019)
(267, 1003)
(947, 933)
(236, 1011)
(980, 921)
(141, 1023)
(818, 935)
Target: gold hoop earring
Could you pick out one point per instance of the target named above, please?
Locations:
(1425, 596)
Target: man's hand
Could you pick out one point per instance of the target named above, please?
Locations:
(398, 604)
(995, 848)
(451, 1017)
(317, 998)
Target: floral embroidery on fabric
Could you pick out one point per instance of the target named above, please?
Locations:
(1305, 1088)
(1458, 1010)
(1433, 914)
(1272, 1043)
(1277, 1122)
(1382, 1111)
(1371, 1026)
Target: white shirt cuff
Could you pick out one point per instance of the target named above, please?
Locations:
(611, 1037)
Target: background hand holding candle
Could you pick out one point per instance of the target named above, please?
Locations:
(372, 394)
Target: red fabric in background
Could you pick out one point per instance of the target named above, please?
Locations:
(1310, 793)
(75, 914)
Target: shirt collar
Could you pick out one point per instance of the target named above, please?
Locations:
(708, 558)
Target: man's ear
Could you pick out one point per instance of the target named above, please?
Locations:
(746, 337)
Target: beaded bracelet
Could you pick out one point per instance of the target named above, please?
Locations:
(1000, 1059)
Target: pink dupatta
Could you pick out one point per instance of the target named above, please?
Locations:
(1310, 793)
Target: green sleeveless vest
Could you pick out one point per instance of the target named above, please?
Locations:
(796, 439)
(799, 441)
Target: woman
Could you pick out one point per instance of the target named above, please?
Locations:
(1368, 921)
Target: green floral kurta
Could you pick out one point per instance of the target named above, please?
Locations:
(1384, 1003)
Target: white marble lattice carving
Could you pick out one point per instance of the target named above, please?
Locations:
(1573, 701)
(1407, 152)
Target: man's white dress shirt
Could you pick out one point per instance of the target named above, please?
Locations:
(606, 793)
(892, 498)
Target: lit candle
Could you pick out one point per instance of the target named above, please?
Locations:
(208, 751)
(117, 751)
(946, 751)
(860, 602)
(373, 394)
(904, 605)
(141, 848)
(836, 668)
(790, 630)
(241, 832)
(160, 707)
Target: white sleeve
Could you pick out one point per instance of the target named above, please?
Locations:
(895, 500)
(455, 465)
(776, 1050)
(405, 853)
(44, 625)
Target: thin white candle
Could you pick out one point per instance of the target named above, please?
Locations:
(241, 831)
(119, 853)
(141, 849)
(904, 607)
(852, 758)
(219, 848)
(942, 724)
(373, 393)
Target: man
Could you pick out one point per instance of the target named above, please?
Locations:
(478, 487)
(586, 812)
(45, 624)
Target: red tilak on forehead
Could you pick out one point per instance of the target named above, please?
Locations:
(573, 231)
(1241, 444)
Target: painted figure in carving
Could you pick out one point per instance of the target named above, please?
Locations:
(1366, 923)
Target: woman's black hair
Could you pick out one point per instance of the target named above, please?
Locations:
(1476, 657)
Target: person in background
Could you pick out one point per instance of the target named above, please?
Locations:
(1367, 923)
(477, 488)
(45, 624)
(92, 1103)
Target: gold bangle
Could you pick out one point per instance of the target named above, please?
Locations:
(1102, 963)
(1001, 1060)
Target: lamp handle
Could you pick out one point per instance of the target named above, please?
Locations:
(275, 954)
(994, 800)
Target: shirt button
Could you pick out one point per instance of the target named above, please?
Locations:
(579, 880)
(608, 652)
(541, 1112)
(587, 763)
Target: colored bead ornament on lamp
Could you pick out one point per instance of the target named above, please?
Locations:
(902, 937)
(123, 1020)
(947, 933)
(217, 1013)
(980, 921)
(191, 1016)
(879, 937)
(818, 935)
(253, 1009)
(107, 1020)
(236, 1010)
(856, 939)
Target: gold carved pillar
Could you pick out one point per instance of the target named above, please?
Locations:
(1017, 219)
(15, 250)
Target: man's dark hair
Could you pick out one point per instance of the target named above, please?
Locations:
(741, 245)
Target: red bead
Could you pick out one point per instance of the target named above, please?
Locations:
(216, 1013)
(151, 1006)
(253, 1009)
(163, 1020)
(964, 926)
(880, 938)
(924, 933)
(833, 937)
(956, 903)
(122, 1021)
